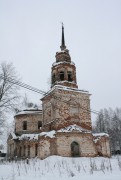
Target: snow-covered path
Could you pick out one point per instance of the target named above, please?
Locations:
(56, 167)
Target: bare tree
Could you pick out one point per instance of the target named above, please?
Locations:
(109, 121)
(8, 91)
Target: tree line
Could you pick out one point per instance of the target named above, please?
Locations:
(109, 121)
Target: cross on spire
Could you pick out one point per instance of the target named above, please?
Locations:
(63, 47)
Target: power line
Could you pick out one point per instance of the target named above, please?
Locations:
(13, 81)
(18, 83)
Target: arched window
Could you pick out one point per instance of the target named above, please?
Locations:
(75, 149)
(24, 125)
(39, 124)
(24, 151)
(69, 76)
(61, 75)
(53, 78)
(36, 149)
(28, 150)
(20, 151)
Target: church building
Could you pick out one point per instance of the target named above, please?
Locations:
(63, 126)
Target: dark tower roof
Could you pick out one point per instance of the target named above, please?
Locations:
(63, 47)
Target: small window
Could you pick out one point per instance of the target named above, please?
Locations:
(53, 78)
(20, 151)
(24, 151)
(36, 149)
(70, 76)
(61, 75)
(24, 125)
(39, 124)
(28, 150)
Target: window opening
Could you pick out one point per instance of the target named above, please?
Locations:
(70, 76)
(53, 78)
(75, 149)
(61, 75)
(24, 150)
(39, 124)
(28, 150)
(36, 149)
(20, 151)
(24, 125)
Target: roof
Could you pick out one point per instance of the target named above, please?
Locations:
(73, 128)
(29, 111)
(51, 134)
(65, 88)
(100, 134)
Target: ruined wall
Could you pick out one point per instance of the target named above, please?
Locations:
(103, 146)
(64, 107)
(44, 148)
(85, 141)
(32, 123)
(11, 146)
(22, 148)
(61, 145)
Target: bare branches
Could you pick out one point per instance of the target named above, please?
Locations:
(8, 91)
(109, 121)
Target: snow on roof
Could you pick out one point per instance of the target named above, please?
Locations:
(63, 62)
(69, 88)
(72, 128)
(65, 88)
(72, 82)
(32, 109)
(50, 134)
(28, 137)
(13, 135)
(100, 134)
(29, 111)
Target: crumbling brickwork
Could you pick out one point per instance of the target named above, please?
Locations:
(65, 107)
(32, 119)
(65, 140)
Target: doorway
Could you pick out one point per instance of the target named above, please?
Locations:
(75, 149)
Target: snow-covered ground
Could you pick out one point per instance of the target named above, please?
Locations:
(56, 167)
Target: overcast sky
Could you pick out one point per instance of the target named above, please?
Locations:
(30, 36)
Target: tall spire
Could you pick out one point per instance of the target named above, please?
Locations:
(63, 40)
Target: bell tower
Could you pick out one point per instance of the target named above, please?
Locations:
(63, 71)
(65, 104)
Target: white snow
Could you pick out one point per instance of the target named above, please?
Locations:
(29, 112)
(63, 62)
(50, 134)
(29, 137)
(65, 88)
(100, 134)
(72, 128)
(66, 82)
(69, 89)
(63, 168)
(13, 135)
